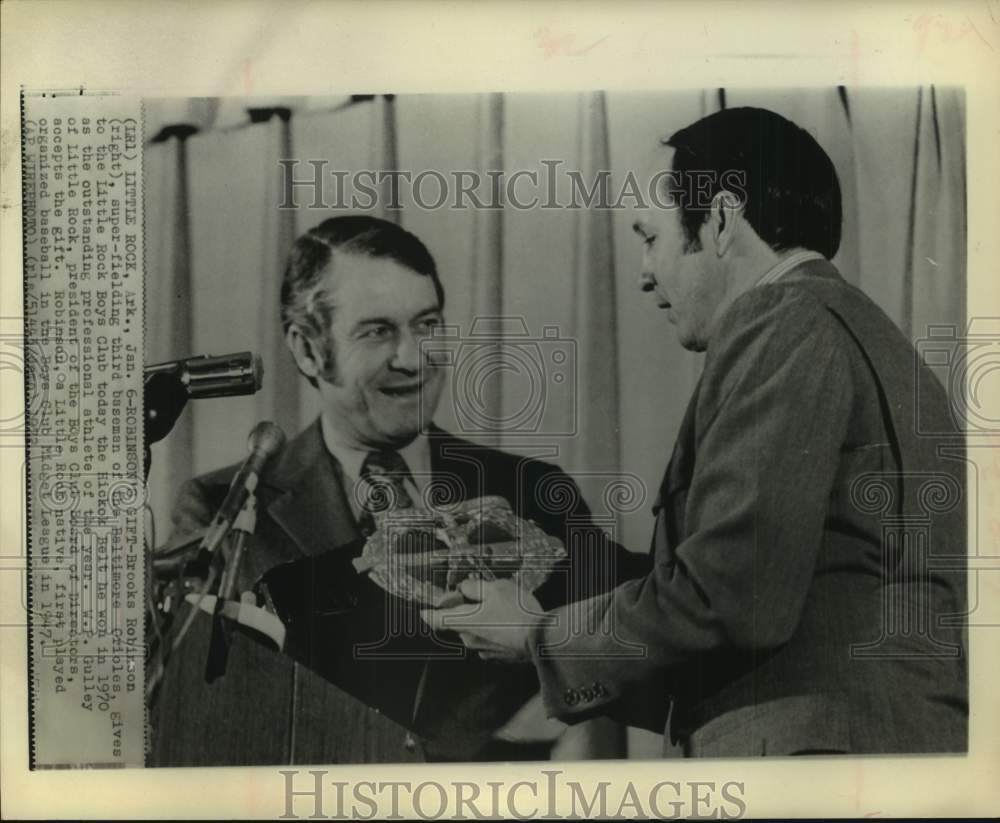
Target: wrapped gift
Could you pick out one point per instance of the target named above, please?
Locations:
(423, 555)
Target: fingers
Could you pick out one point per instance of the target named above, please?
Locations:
(478, 589)
(505, 657)
(487, 649)
(479, 643)
(436, 619)
(495, 604)
(447, 620)
(472, 589)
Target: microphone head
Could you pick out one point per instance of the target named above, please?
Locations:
(227, 375)
(258, 373)
(267, 439)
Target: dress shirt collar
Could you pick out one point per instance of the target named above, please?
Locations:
(796, 258)
(416, 455)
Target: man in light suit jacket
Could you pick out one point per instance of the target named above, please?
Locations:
(808, 587)
(360, 680)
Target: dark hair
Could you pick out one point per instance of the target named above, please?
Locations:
(304, 299)
(789, 185)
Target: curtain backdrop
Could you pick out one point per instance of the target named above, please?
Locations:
(615, 380)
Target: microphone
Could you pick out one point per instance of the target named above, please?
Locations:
(168, 386)
(206, 375)
(264, 442)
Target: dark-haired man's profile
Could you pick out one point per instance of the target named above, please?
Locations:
(808, 584)
(359, 296)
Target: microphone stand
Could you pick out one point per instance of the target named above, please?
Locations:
(265, 440)
(224, 609)
(218, 647)
(227, 611)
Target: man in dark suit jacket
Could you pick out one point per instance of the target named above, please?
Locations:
(808, 587)
(361, 679)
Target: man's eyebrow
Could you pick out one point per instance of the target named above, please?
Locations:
(389, 321)
(638, 228)
(435, 309)
(374, 321)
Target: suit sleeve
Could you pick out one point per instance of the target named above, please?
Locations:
(192, 508)
(771, 417)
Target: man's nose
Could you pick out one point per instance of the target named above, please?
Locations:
(647, 282)
(407, 354)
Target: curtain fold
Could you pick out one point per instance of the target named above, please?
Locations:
(883, 130)
(487, 259)
(234, 221)
(595, 308)
(594, 451)
(169, 295)
(937, 261)
(278, 399)
(384, 156)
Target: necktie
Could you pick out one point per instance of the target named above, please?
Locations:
(384, 472)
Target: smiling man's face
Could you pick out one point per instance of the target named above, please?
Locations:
(685, 280)
(381, 388)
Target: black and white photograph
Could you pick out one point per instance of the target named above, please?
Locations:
(380, 432)
(678, 335)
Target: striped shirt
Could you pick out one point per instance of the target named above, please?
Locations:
(786, 264)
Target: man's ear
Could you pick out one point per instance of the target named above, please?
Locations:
(725, 220)
(309, 361)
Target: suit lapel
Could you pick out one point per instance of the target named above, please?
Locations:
(458, 471)
(825, 282)
(312, 509)
(681, 466)
(309, 502)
